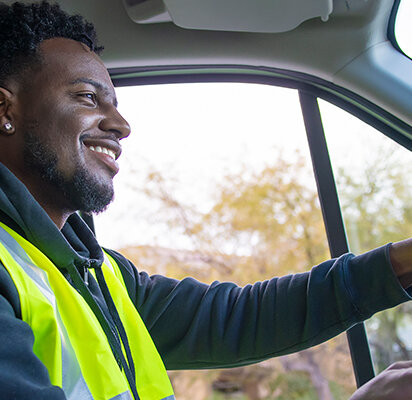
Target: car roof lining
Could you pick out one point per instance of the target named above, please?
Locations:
(342, 51)
(229, 15)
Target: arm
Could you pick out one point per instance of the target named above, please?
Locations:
(22, 375)
(222, 325)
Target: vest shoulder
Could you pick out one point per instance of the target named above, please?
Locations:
(123, 263)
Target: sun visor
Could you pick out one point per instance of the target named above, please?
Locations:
(229, 15)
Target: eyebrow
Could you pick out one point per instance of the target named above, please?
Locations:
(97, 85)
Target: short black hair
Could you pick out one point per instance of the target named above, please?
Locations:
(24, 26)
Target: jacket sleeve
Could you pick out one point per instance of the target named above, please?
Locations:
(22, 374)
(195, 325)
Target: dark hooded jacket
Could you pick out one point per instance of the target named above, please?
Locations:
(193, 325)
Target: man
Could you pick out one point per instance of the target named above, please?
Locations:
(72, 328)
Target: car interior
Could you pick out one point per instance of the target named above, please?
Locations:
(343, 53)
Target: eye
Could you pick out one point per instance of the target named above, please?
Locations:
(90, 96)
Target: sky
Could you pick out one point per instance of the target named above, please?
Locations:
(196, 134)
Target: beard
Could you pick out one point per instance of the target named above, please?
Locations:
(82, 190)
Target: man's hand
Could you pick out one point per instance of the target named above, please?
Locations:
(401, 259)
(394, 383)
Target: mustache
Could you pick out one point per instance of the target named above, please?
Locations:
(107, 136)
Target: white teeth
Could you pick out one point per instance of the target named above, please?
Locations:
(103, 150)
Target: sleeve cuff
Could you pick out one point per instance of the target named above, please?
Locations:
(372, 282)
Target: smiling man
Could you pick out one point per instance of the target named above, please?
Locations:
(70, 91)
(77, 322)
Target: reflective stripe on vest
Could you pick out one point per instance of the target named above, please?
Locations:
(68, 338)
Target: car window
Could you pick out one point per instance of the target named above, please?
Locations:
(403, 28)
(373, 181)
(216, 182)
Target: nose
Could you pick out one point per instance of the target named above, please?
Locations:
(114, 122)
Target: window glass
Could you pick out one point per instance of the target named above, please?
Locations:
(403, 27)
(216, 182)
(373, 179)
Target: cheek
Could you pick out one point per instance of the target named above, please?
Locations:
(67, 139)
(67, 128)
(46, 122)
(61, 124)
(75, 121)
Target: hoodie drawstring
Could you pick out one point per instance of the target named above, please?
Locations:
(115, 315)
(112, 336)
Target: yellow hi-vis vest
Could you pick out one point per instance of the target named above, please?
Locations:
(68, 338)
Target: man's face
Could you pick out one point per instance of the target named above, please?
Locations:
(70, 127)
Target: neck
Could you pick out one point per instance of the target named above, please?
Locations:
(51, 200)
(57, 216)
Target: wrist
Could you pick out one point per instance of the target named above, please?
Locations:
(401, 259)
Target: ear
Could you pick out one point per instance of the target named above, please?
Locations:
(6, 120)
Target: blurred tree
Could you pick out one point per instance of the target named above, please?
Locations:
(269, 220)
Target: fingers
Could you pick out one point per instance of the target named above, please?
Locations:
(400, 365)
(395, 383)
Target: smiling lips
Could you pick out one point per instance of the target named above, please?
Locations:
(107, 156)
(104, 150)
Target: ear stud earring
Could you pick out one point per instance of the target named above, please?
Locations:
(8, 126)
